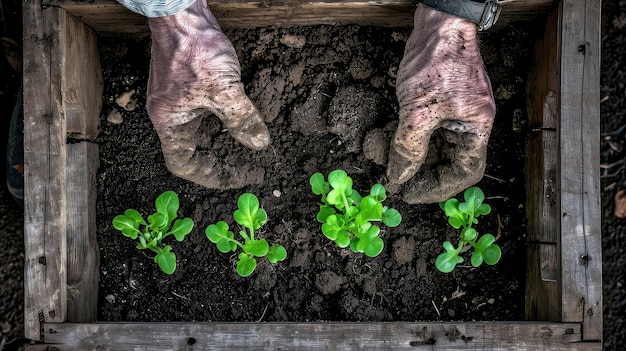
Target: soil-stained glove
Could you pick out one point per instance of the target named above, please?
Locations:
(194, 70)
(441, 85)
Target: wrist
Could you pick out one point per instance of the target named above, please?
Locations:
(483, 14)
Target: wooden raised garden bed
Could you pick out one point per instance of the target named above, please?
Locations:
(63, 98)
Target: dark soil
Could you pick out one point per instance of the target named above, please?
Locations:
(321, 90)
(613, 178)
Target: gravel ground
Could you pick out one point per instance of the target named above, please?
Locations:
(614, 179)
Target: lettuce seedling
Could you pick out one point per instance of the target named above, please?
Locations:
(463, 215)
(250, 217)
(158, 227)
(346, 216)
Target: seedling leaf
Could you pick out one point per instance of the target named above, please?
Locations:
(319, 185)
(256, 248)
(150, 233)
(447, 261)
(181, 228)
(392, 218)
(251, 217)
(463, 215)
(245, 265)
(167, 203)
(249, 214)
(492, 254)
(347, 217)
(166, 260)
(276, 253)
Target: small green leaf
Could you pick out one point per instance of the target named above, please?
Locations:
(378, 192)
(485, 241)
(220, 235)
(249, 214)
(477, 258)
(341, 186)
(127, 226)
(166, 260)
(482, 210)
(245, 265)
(392, 218)
(276, 253)
(449, 247)
(256, 248)
(447, 261)
(354, 198)
(142, 243)
(135, 216)
(332, 227)
(370, 243)
(369, 210)
(181, 228)
(371, 232)
(352, 211)
(343, 238)
(324, 212)
(468, 234)
(167, 203)
(456, 217)
(158, 221)
(319, 185)
(492, 254)
(374, 247)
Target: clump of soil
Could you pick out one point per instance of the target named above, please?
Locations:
(321, 90)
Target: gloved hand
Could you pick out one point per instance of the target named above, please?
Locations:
(441, 85)
(194, 70)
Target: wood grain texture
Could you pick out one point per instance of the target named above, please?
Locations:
(83, 263)
(317, 336)
(82, 78)
(109, 18)
(45, 274)
(543, 263)
(579, 166)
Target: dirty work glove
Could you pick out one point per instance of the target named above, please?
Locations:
(441, 85)
(194, 70)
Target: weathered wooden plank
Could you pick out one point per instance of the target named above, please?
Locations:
(107, 17)
(316, 336)
(45, 289)
(82, 78)
(82, 243)
(581, 256)
(542, 301)
(82, 102)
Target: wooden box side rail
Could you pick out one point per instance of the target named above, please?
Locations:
(578, 179)
(564, 276)
(542, 300)
(63, 98)
(317, 336)
(107, 17)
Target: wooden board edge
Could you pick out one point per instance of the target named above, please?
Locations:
(45, 289)
(83, 262)
(82, 79)
(318, 336)
(109, 18)
(578, 182)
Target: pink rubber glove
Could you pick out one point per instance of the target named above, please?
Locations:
(442, 85)
(194, 70)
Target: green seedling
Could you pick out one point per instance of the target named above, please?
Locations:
(463, 215)
(346, 216)
(251, 218)
(158, 227)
